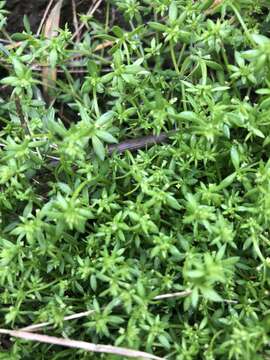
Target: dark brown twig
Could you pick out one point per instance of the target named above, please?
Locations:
(136, 144)
(20, 114)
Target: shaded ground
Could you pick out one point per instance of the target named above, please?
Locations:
(34, 9)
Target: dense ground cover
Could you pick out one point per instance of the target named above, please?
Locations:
(85, 229)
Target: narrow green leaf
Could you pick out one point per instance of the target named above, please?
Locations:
(18, 67)
(173, 12)
(235, 157)
(211, 294)
(105, 136)
(226, 182)
(157, 26)
(98, 147)
(172, 202)
(188, 115)
(105, 118)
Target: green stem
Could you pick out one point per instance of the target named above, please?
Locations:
(127, 52)
(140, 51)
(95, 103)
(204, 72)
(226, 61)
(107, 17)
(181, 54)
(79, 189)
(240, 19)
(184, 96)
(174, 58)
(107, 20)
(225, 58)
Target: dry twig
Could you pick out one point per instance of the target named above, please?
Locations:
(103, 45)
(75, 20)
(20, 114)
(46, 12)
(90, 12)
(49, 75)
(39, 326)
(139, 143)
(173, 295)
(98, 348)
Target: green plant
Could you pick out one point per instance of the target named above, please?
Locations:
(84, 229)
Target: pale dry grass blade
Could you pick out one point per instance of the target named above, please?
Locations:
(185, 294)
(36, 327)
(51, 26)
(215, 4)
(173, 295)
(103, 46)
(52, 23)
(39, 326)
(46, 12)
(98, 348)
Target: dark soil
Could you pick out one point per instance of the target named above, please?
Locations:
(34, 9)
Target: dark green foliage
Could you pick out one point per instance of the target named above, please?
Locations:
(83, 230)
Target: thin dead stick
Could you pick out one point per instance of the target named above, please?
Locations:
(69, 317)
(39, 326)
(134, 144)
(103, 45)
(180, 294)
(23, 120)
(213, 7)
(173, 295)
(73, 71)
(20, 114)
(90, 12)
(95, 7)
(98, 348)
(130, 144)
(75, 20)
(13, 45)
(139, 143)
(184, 294)
(230, 301)
(5, 41)
(71, 68)
(46, 12)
